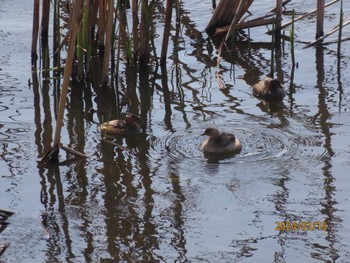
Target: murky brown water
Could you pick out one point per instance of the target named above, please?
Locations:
(158, 198)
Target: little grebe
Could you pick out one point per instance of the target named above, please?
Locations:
(125, 127)
(269, 89)
(220, 142)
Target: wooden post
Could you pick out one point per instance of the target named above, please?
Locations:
(279, 5)
(320, 18)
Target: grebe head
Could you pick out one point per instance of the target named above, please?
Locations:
(211, 132)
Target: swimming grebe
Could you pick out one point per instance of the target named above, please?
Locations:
(269, 89)
(220, 142)
(125, 127)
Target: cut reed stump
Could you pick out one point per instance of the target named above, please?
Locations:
(320, 18)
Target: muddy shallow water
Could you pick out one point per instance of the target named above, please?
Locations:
(158, 198)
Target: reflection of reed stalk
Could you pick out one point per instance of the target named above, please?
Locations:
(221, 83)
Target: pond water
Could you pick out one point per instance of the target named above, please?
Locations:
(158, 198)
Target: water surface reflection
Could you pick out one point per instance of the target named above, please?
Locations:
(158, 197)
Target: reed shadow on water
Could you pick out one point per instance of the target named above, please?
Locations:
(157, 196)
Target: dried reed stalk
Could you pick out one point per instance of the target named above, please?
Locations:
(135, 24)
(279, 5)
(45, 20)
(320, 39)
(107, 52)
(144, 45)
(101, 23)
(166, 34)
(35, 30)
(52, 155)
(305, 15)
(341, 19)
(320, 18)
(222, 15)
(261, 21)
(240, 11)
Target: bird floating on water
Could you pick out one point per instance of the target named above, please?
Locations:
(220, 142)
(269, 89)
(125, 127)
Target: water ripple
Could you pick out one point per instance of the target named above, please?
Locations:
(260, 143)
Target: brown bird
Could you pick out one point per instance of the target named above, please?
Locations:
(125, 127)
(269, 89)
(220, 142)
